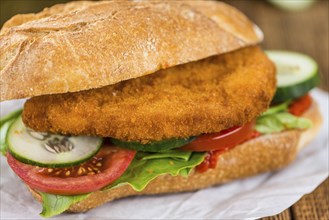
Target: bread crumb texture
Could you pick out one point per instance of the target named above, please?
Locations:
(198, 97)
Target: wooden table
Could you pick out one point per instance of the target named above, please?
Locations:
(305, 32)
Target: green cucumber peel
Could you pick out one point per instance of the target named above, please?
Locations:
(156, 146)
(52, 165)
(297, 74)
(54, 151)
(5, 124)
(3, 134)
(10, 116)
(295, 91)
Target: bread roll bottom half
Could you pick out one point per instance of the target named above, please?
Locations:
(262, 154)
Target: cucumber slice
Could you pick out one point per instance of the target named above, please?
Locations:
(48, 150)
(293, 5)
(156, 146)
(5, 124)
(297, 74)
(10, 116)
(3, 133)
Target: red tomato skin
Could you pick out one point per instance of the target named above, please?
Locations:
(300, 105)
(211, 159)
(221, 140)
(116, 163)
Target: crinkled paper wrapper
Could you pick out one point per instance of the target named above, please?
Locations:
(263, 195)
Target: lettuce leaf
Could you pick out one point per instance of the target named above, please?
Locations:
(143, 169)
(278, 108)
(178, 155)
(277, 119)
(146, 167)
(54, 204)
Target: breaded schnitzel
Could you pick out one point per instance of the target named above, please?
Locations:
(187, 100)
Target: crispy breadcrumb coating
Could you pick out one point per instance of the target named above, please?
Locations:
(187, 100)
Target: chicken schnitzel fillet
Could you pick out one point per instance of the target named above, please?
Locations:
(205, 96)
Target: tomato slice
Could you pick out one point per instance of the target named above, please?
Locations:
(210, 161)
(300, 105)
(104, 168)
(221, 140)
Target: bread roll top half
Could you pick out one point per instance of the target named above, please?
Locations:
(85, 45)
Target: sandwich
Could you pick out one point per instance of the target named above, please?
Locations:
(150, 97)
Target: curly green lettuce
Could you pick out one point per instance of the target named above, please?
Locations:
(148, 166)
(142, 170)
(277, 119)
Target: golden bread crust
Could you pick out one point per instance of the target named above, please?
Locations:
(262, 154)
(199, 97)
(85, 45)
